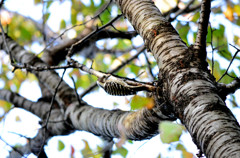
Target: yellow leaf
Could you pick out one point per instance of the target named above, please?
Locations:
(237, 9)
(229, 13)
(17, 118)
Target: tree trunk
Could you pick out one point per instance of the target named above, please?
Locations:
(187, 84)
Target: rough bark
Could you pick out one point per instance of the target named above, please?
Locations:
(187, 84)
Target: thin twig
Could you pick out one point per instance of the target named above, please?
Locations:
(149, 66)
(5, 42)
(53, 98)
(43, 23)
(79, 43)
(234, 56)
(75, 89)
(14, 148)
(181, 11)
(84, 23)
(49, 113)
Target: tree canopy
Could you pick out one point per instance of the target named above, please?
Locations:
(164, 67)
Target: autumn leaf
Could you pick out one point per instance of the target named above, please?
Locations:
(72, 151)
(229, 13)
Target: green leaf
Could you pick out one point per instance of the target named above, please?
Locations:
(183, 31)
(49, 4)
(196, 17)
(123, 44)
(233, 101)
(6, 106)
(62, 24)
(37, 1)
(105, 17)
(73, 16)
(122, 151)
(209, 34)
(85, 80)
(225, 54)
(61, 145)
(138, 102)
(46, 16)
(219, 39)
(180, 147)
(135, 69)
(170, 132)
(99, 64)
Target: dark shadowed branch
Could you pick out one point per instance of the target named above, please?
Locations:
(200, 43)
(226, 89)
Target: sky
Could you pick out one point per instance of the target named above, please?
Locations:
(28, 127)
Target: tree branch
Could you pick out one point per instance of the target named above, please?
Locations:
(137, 125)
(186, 84)
(200, 43)
(226, 89)
(33, 146)
(58, 53)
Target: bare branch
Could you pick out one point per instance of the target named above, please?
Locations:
(58, 53)
(37, 108)
(81, 42)
(226, 89)
(234, 56)
(200, 43)
(33, 146)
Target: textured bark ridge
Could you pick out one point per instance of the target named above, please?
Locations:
(187, 85)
